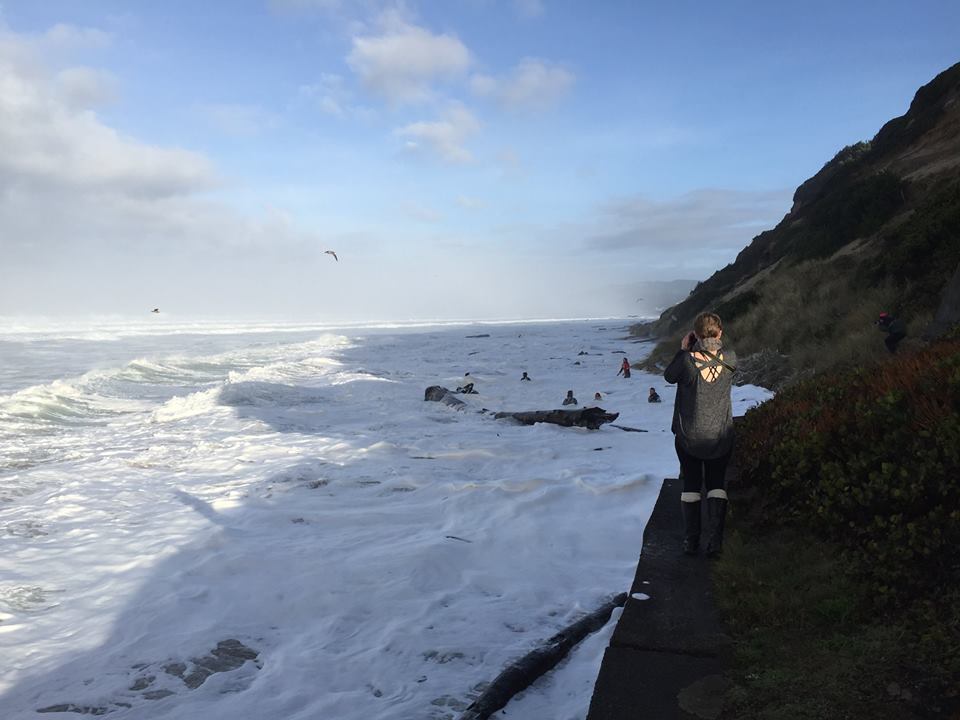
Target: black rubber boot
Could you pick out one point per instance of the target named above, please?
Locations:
(691, 527)
(717, 518)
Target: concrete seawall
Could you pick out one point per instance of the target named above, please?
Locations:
(667, 655)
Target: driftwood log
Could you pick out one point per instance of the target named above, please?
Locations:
(521, 674)
(447, 397)
(589, 417)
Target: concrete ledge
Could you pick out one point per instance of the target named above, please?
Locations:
(631, 685)
(668, 652)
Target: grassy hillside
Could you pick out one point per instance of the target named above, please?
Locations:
(878, 228)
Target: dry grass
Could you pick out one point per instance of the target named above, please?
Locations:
(816, 315)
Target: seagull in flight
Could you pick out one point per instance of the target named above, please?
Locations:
(331, 252)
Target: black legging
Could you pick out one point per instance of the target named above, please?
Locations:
(696, 471)
(892, 340)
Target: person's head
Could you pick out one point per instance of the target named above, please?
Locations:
(569, 393)
(653, 391)
(524, 373)
(597, 396)
(708, 325)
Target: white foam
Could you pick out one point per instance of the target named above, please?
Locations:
(383, 554)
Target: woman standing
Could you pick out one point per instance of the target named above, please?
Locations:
(703, 425)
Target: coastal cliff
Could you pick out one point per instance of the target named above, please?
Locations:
(876, 229)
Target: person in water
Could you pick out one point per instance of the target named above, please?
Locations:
(466, 385)
(525, 376)
(653, 396)
(597, 396)
(569, 399)
(624, 368)
(703, 425)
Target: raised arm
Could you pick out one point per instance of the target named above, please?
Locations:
(678, 371)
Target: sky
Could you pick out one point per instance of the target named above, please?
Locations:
(471, 159)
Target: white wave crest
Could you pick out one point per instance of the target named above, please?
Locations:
(187, 406)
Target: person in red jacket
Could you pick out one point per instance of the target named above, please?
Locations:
(624, 368)
(895, 329)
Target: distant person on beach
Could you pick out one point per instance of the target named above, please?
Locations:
(653, 396)
(466, 385)
(569, 399)
(624, 368)
(895, 329)
(525, 376)
(703, 426)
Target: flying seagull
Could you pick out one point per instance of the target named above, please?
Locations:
(156, 310)
(331, 252)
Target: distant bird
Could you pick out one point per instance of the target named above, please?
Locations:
(331, 252)
(639, 299)
(156, 310)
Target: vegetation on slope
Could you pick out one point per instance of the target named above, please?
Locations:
(842, 577)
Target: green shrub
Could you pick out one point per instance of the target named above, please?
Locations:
(870, 458)
(867, 460)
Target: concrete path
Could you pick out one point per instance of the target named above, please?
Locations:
(668, 652)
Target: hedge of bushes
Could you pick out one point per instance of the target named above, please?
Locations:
(869, 457)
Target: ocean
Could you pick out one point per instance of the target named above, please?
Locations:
(266, 521)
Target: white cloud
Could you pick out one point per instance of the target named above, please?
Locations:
(529, 8)
(402, 63)
(330, 96)
(532, 85)
(96, 221)
(71, 37)
(238, 120)
(69, 180)
(84, 87)
(48, 141)
(701, 230)
(444, 138)
(483, 85)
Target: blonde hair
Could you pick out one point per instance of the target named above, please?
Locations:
(707, 325)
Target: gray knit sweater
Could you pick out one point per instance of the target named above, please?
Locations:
(702, 412)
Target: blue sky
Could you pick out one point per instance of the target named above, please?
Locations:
(474, 159)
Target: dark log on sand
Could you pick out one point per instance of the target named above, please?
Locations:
(447, 397)
(521, 674)
(591, 417)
